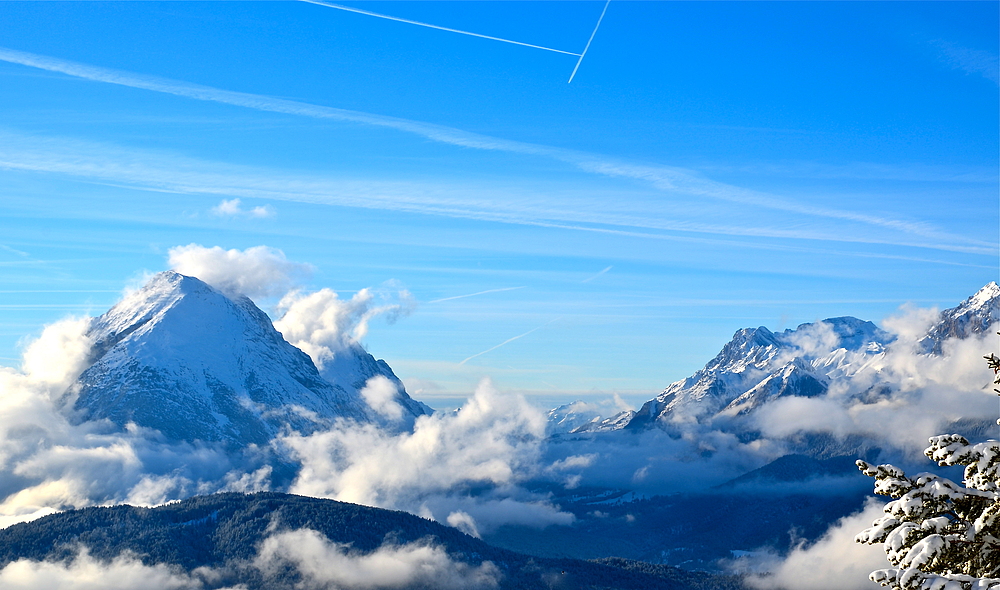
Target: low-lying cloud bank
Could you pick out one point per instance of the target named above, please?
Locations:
(900, 397)
(493, 440)
(126, 572)
(302, 559)
(49, 463)
(833, 562)
(324, 564)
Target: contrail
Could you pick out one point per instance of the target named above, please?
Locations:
(597, 275)
(509, 340)
(474, 294)
(589, 41)
(413, 22)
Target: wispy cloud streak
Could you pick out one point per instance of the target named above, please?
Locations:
(971, 61)
(509, 340)
(474, 294)
(112, 165)
(6, 248)
(672, 180)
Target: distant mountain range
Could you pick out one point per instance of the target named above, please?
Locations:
(187, 360)
(759, 366)
(183, 358)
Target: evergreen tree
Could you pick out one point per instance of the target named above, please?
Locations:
(937, 534)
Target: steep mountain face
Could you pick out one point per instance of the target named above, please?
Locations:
(758, 366)
(183, 358)
(351, 368)
(975, 315)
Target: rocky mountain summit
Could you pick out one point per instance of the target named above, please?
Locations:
(185, 359)
(759, 366)
(975, 315)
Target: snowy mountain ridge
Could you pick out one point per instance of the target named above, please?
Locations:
(759, 366)
(975, 315)
(183, 358)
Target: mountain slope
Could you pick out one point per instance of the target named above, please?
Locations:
(351, 368)
(226, 531)
(975, 315)
(758, 366)
(183, 358)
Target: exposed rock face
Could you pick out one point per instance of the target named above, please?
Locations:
(758, 366)
(975, 315)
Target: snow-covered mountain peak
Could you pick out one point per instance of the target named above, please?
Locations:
(188, 317)
(181, 357)
(852, 334)
(146, 304)
(746, 339)
(750, 348)
(984, 297)
(975, 315)
(758, 366)
(821, 339)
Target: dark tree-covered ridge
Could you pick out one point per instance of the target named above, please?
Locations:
(224, 531)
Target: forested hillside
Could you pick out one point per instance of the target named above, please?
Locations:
(225, 532)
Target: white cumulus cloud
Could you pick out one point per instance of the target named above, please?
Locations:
(380, 394)
(259, 271)
(833, 562)
(492, 440)
(234, 208)
(323, 564)
(126, 572)
(322, 324)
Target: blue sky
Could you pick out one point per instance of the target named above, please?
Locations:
(712, 166)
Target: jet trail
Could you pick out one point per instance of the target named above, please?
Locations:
(413, 22)
(509, 340)
(589, 41)
(474, 294)
(597, 275)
